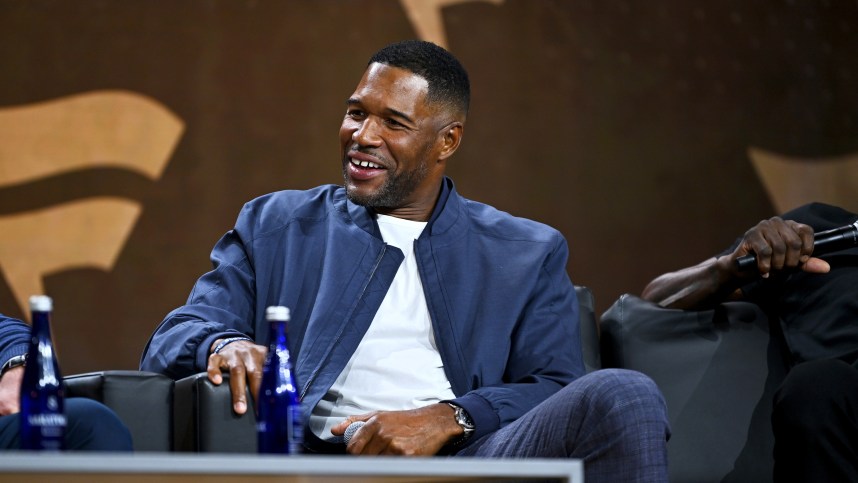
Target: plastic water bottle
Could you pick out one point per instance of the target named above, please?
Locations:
(43, 420)
(280, 426)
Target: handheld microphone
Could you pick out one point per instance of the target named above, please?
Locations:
(823, 242)
(351, 430)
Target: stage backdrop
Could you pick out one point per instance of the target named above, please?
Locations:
(651, 134)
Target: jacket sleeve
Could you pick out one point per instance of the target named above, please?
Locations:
(14, 338)
(220, 305)
(545, 353)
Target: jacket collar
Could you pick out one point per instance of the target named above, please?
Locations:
(444, 215)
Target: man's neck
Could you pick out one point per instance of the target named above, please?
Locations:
(420, 210)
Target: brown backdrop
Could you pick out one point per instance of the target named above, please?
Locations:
(132, 132)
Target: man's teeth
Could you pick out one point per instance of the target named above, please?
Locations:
(365, 164)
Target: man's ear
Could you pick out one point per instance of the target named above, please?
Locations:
(451, 137)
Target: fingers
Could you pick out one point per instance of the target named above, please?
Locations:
(244, 361)
(368, 440)
(778, 244)
(797, 244)
(340, 428)
(238, 388)
(816, 265)
(213, 370)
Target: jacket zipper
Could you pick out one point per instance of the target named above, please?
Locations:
(315, 372)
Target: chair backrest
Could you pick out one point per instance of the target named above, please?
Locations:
(718, 370)
(142, 400)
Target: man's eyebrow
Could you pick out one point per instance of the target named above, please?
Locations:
(400, 115)
(389, 110)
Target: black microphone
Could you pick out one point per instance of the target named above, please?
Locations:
(823, 242)
(351, 430)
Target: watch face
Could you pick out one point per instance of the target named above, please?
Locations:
(464, 419)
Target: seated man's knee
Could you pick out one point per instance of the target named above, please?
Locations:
(627, 392)
(93, 426)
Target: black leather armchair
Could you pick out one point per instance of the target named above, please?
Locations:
(142, 400)
(205, 422)
(718, 370)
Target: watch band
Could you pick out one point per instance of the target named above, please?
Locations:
(13, 362)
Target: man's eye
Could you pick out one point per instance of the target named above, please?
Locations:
(394, 123)
(354, 113)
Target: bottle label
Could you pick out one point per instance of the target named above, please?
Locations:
(47, 420)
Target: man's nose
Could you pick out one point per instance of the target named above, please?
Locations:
(367, 133)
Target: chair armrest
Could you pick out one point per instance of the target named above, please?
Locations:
(142, 400)
(205, 421)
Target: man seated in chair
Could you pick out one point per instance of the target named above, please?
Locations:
(449, 327)
(91, 426)
(815, 299)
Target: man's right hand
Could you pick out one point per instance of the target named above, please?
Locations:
(780, 244)
(243, 360)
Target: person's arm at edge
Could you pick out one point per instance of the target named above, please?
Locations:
(778, 244)
(14, 340)
(700, 286)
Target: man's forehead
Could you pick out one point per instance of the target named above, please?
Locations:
(392, 83)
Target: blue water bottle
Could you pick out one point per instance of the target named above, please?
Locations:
(43, 420)
(280, 427)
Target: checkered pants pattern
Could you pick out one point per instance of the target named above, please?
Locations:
(615, 420)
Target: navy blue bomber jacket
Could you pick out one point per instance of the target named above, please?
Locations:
(503, 309)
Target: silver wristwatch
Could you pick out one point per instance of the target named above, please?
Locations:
(13, 362)
(464, 420)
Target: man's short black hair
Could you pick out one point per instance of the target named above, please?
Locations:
(447, 79)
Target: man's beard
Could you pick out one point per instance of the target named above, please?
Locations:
(394, 191)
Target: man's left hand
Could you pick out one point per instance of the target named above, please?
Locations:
(415, 432)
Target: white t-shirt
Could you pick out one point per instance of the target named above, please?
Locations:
(397, 364)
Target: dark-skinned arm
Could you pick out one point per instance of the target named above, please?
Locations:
(778, 245)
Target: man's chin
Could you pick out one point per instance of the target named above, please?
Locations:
(360, 197)
(375, 199)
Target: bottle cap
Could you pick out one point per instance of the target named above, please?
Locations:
(41, 303)
(277, 312)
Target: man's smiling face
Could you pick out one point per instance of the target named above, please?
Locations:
(391, 140)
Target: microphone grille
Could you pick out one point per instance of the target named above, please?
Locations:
(351, 430)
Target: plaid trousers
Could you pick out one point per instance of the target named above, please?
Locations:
(615, 420)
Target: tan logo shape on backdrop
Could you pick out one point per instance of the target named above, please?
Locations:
(425, 17)
(791, 182)
(99, 129)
